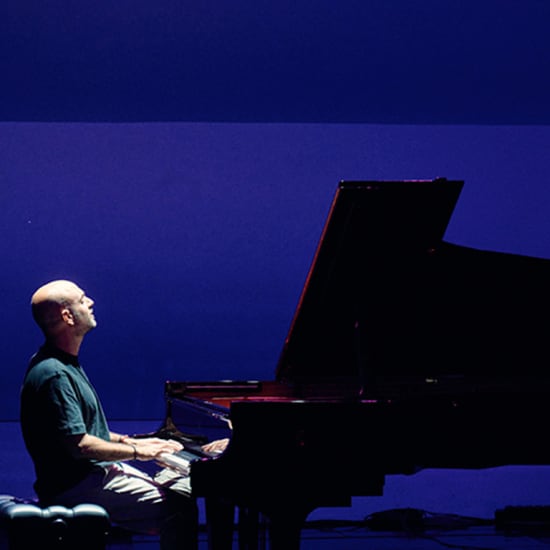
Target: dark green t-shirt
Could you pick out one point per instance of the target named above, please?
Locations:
(58, 400)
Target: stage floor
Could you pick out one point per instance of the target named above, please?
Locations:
(354, 538)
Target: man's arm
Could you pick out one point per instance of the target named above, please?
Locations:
(118, 438)
(120, 447)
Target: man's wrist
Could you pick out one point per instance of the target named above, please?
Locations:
(134, 449)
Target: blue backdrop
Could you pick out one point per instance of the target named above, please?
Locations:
(194, 239)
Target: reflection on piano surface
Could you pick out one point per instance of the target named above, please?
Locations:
(430, 353)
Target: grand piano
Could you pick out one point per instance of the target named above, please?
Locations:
(405, 352)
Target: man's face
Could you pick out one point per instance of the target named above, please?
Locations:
(81, 308)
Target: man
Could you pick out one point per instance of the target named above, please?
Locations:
(76, 457)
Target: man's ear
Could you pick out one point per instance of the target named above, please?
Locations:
(67, 316)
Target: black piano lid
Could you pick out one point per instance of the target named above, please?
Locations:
(386, 296)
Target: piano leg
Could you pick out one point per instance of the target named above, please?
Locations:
(285, 526)
(220, 516)
(281, 528)
(252, 528)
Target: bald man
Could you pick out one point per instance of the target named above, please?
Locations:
(76, 457)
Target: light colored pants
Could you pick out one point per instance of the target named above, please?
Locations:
(141, 503)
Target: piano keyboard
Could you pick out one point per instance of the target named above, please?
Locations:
(180, 461)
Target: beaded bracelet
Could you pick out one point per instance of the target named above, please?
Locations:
(135, 450)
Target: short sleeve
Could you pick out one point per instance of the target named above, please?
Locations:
(63, 405)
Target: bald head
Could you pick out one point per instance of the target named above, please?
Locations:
(61, 305)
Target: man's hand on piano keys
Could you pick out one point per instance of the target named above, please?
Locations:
(151, 448)
(216, 447)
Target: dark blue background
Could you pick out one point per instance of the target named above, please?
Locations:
(396, 61)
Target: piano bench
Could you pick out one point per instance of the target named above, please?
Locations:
(24, 525)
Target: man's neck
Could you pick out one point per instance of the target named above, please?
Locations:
(68, 345)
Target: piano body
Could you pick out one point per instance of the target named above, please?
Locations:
(405, 352)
